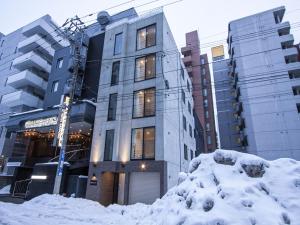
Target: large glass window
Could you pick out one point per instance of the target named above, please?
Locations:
(143, 143)
(112, 107)
(109, 145)
(115, 73)
(144, 103)
(146, 37)
(145, 67)
(118, 44)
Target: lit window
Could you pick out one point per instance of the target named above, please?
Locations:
(115, 73)
(54, 87)
(143, 143)
(59, 63)
(145, 68)
(144, 103)
(146, 37)
(118, 44)
(202, 61)
(109, 145)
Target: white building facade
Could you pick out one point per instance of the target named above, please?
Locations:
(144, 126)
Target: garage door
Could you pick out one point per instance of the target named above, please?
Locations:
(144, 187)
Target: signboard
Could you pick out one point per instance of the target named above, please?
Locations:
(41, 122)
(218, 51)
(63, 120)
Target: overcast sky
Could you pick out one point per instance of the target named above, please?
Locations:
(210, 17)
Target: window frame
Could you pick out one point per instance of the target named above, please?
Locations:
(112, 69)
(145, 56)
(143, 146)
(59, 63)
(117, 35)
(146, 42)
(109, 104)
(113, 140)
(144, 106)
(53, 85)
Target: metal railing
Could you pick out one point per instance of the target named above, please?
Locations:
(71, 154)
(21, 188)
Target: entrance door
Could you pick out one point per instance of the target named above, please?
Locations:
(109, 188)
(144, 187)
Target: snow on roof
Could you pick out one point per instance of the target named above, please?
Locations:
(221, 188)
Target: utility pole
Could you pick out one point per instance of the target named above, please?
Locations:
(75, 33)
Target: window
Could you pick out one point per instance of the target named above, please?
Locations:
(54, 87)
(109, 145)
(183, 95)
(209, 140)
(146, 37)
(192, 154)
(189, 107)
(188, 86)
(182, 72)
(112, 107)
(296, 90)
(298, 107)
(143, 143)
(145, 68)
(205, 103)
(185, 152)
(202, 61)
(118, 44)
(144, 103)
(59, 63)
(292, 74)
(115, 73)
(184, 122)
(207, 126)
(191, 130)
(204, 92)
(203, 71)
(206, 114)
(204, 81)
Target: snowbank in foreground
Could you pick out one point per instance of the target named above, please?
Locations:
(221, 188)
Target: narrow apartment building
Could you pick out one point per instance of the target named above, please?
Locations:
(144, 126)
(198, 69)
(264, 69)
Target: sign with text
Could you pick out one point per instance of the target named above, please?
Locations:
(41, 122)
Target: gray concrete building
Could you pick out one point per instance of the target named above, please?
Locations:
(144, 126)
(25, 63)
(264, 70)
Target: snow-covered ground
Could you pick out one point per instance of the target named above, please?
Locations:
(5, 190)
(221, 188)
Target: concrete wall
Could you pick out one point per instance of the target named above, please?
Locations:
(269, 106)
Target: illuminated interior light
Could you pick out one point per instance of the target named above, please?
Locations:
(38, 177)
(143, 166)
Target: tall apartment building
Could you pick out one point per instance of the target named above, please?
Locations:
(265, 71)
(25, 63)
(144, 126)
(198, 69)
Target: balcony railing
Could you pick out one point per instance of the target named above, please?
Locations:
(45, 27)
(27, 78)
(31, 60)
(36, 42)
(18, 98)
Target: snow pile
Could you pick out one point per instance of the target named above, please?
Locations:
(221, 188)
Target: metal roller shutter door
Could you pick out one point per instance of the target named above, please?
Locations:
(144, 187)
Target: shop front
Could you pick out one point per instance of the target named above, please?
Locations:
(29, 145)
